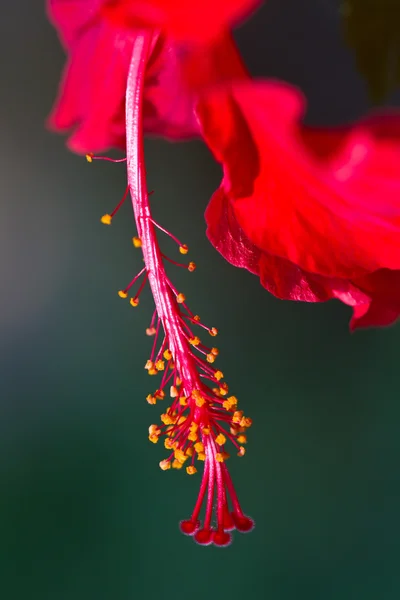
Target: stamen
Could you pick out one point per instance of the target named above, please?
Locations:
(172, 236)
(106, 219)
(199, 422)
(91, 157)
(124, 293)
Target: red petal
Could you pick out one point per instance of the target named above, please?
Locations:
(71, 17)
(182, 19)
(92, 94)
(383, 308)
(375, 298)
(93, 90)
(333, 211)
(176, 76)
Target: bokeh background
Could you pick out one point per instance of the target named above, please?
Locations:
(85, 512)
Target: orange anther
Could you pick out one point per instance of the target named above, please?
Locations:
(106, 219)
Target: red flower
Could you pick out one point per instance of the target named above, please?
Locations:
(92, 95)
(314, 213)
(120, 83)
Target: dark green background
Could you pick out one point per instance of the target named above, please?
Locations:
(85, 512)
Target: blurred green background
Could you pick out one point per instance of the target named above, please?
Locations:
(85, 512)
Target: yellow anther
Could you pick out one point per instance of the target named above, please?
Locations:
(191, 267)
(223, 388)
(196, 318)
(213, 331)
(172, 366)
(220, 439)
(232, 400)
(151, 331)
(183, 249)
(200, 401)
(225, 455)
(134, 301)
(151, 399)
(159, 394)
(122, 294)
(210, 358)
(237, 416)
(215, 351)
(149, 364)
(201, 456)
(160, 365)
(192, 436)
(180, 455)
(218, 375)
(181, 419)
(178, 381)
(189, 451)
(153, 438)
(205, 430)
(89, 157)
(166, 419)
(195, 341)
(219, 456)
(242, 451)
(106, 219)
(176, 464)
(246, 422)
(152, 371)
(167, 354)
(137, 242)
(199, 447)
(173, 392)
(242, 439)
(180, 298)
(191, 470)
(230, 403)
(193, 426)
(169, 444)
(154, 429)
(183, 401)
(165, 465)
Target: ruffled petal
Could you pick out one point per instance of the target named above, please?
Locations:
(91, 98)
(176, 76)
(72, 17)
(375, 299)
(92, 92)
(185, 20)
(330, 206)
